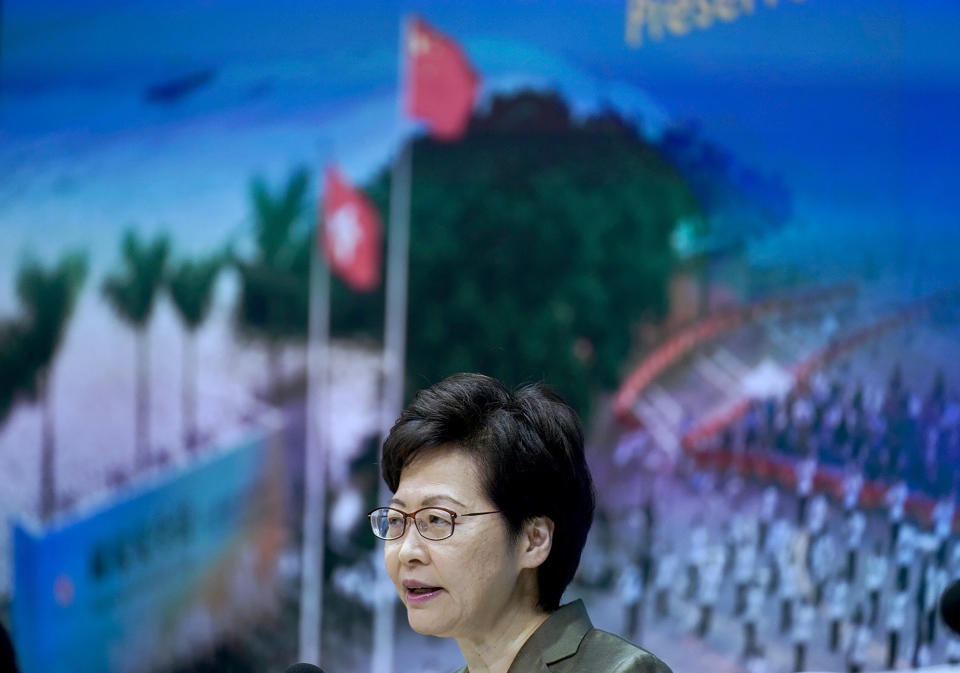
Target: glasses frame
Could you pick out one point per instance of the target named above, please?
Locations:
(412, 515)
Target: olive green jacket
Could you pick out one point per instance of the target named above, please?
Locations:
(568, 643)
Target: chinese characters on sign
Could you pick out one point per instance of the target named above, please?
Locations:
(656, 18)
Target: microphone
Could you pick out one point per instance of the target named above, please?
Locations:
(303, 668)
(950, 606)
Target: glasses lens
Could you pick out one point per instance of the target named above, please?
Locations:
(435, 524)
(387, 523)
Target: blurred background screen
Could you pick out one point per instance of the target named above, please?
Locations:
(235, 237)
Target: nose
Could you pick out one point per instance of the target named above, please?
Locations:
(411, 547)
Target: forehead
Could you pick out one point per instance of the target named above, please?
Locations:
(435, 475)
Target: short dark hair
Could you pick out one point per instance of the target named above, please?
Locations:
(529, 446)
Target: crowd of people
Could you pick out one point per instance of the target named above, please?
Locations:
(800, 562)
(891, 436)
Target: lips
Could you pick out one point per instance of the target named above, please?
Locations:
(420, 592)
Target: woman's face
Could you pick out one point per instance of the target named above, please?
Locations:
(472, 575)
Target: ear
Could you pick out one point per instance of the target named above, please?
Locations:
(536, 541)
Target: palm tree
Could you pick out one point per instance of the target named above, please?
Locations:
(275, 281)
(190, 284)
(48, 298)
(132, 293)
(16, 371)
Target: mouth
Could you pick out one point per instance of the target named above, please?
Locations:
(418, 594)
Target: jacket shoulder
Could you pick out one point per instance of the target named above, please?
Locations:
(602, 652)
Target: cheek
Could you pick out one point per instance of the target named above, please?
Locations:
(390, 561)
(492, 562)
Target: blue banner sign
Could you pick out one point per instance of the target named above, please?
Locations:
(160, 575)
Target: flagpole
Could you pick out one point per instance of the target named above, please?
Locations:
(394, 349)
(315, 461)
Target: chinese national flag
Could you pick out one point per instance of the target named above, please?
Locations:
(351, 233)
(441, 86)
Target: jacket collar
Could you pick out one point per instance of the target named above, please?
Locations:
(555, 639)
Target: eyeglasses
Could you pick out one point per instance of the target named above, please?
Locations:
(433, 523)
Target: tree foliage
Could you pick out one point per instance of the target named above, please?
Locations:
(132, 292)
(190, 283)
(274, 288)
(48, 298)
(537, 241)
(17, 372)
(29, 342)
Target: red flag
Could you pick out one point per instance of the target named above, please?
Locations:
(351, 233)
(441, 86)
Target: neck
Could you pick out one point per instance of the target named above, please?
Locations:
(495, 650)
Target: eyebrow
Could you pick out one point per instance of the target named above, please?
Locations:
(430, 500)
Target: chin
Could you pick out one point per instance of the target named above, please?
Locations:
(426, 627)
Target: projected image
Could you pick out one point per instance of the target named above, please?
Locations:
(235, 239)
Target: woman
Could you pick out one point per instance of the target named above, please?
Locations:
(498, 491)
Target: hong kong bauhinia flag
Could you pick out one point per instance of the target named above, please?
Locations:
(441, 85)
(351, 233)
